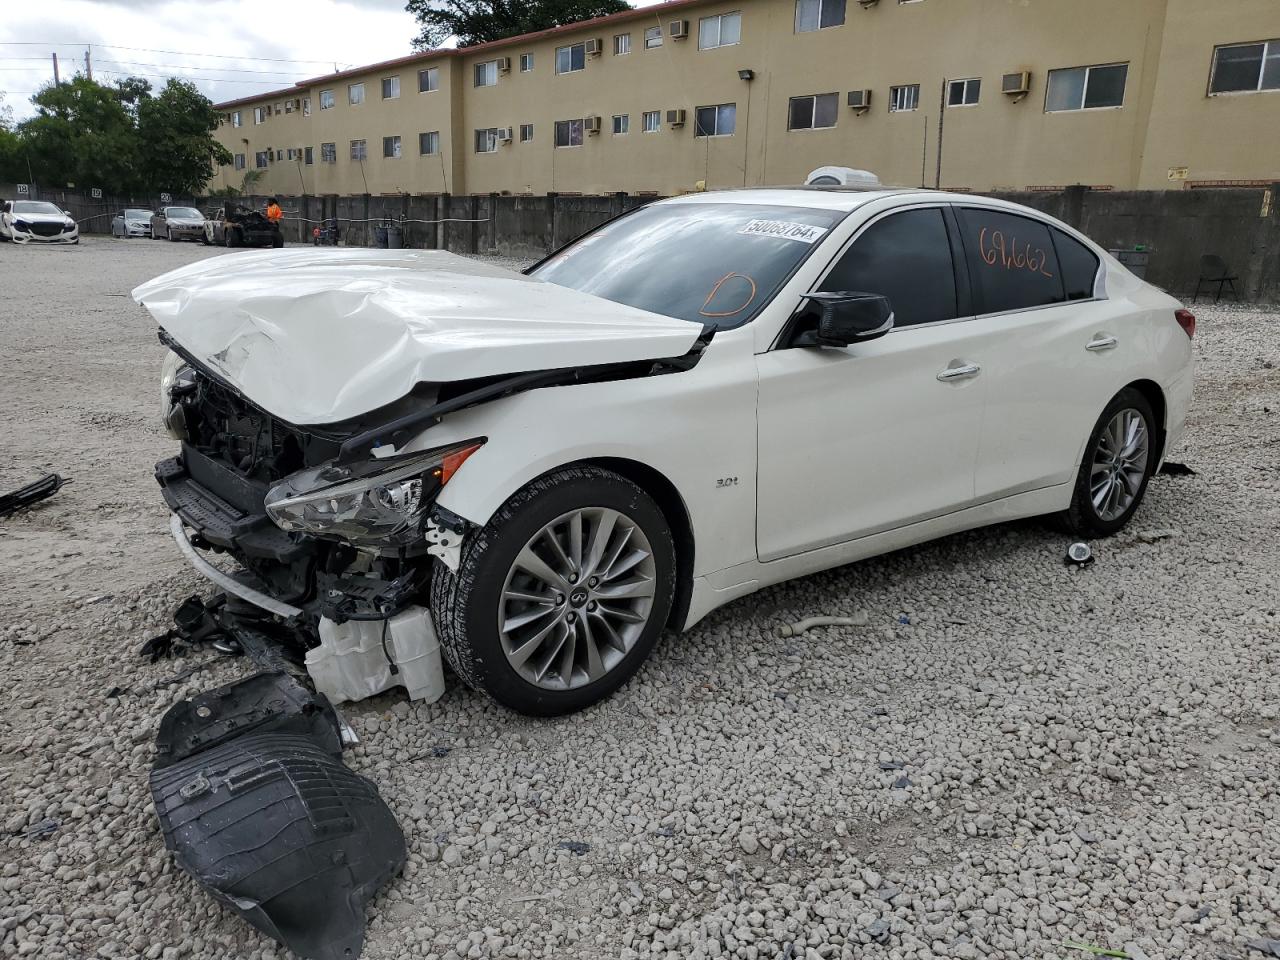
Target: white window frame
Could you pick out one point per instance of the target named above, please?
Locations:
(718, 19)
(433, 79)
(306, 106)
(651, 121)
(259, 115)
(821, 6)
(813, 112)
(239, 162)
(653, 37)
(355, 94)
(261, 158)
(717, 107)
(970, 84)
(1270, 49)
(526, 128)
(395, 88)
(429, 134)
(1084, 87)
(327, 95)
(904, 98)
(621, 124)
(332, 152)
(236, 119)
(491, 139)
(393, 141)
(308, 155)
(488, 69)
(569, 49)
(621, 44)
(568, 126)
(526, 63)
(359, 150)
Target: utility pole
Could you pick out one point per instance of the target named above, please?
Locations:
(88, 62)
(56, 81)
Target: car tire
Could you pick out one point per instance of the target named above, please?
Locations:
(231, 238)
(168, 235)
(469, 606)
(1117, 465)
(277, 240)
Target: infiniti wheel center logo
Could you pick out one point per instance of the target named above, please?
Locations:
(578, 597)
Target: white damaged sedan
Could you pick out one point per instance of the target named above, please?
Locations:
(27, 221)
(705, 396)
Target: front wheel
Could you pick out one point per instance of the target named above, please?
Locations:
(561, 596)
(1118, 462)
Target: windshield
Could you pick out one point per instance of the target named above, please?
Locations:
(188, 213)
(713, 263)
(35, 206)
(137, 214)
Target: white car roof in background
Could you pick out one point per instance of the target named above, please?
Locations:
(840, 198)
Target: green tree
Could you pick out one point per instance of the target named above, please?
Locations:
(82, 135)
(175, 134)
(479, 21)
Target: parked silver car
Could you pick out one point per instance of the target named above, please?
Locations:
(177, 223)
(131, 222)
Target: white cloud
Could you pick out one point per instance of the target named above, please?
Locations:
(213, 42)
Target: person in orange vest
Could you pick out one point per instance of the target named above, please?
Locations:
(274, 213)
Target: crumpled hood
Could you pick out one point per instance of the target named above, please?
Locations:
(318, 336)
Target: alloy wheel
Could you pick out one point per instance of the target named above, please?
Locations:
(1119, 464)
(577, 598)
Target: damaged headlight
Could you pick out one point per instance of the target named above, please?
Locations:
(378, 503)
(172, 416)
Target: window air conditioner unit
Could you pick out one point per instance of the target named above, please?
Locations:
(867, 3)
(504, 64)
(594, 47)
(678, 29)
(504, 134)
(860, 99)
(1016, 84)
(675, 118)
(591, 124)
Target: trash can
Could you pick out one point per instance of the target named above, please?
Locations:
(380, 237)
(395, 237)
(1135, 259)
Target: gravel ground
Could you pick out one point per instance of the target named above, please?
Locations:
(1008, 756)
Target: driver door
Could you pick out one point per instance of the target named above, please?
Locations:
(857, 440)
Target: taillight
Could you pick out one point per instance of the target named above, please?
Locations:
(1187, 321)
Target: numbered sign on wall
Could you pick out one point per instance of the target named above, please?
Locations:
(24, 189)
(96, 193)
(165, 198)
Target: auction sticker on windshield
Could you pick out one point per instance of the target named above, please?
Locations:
(786, 229)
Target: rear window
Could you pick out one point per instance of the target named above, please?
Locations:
(1012, 261)
(1079, 266)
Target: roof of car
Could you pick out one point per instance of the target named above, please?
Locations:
(821, 197)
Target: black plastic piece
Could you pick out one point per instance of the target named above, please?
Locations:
(262, 703)
(43, 488)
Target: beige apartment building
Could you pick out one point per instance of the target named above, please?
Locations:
(964, 94)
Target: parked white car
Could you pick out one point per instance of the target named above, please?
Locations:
(703, 397)
(131, 222)
(27, 221)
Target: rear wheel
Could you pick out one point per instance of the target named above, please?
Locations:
(1118, 462)
(561, 596)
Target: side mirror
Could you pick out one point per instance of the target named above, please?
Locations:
(847, 317)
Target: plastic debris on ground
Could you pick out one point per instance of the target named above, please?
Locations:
(32, 493)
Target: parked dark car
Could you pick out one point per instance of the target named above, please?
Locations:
(238, 226)
(177, 223)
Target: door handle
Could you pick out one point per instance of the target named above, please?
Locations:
(1098, 344)
(965, 371)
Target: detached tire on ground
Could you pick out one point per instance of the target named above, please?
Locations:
(1117, 465)
(561, 596)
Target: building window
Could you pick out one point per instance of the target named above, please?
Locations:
(239, 161)
(290, 154)
(288, 106)
(236, 120)
(306, 106)
(487, 140)
(487, 73)
(279, 108)
(390, 88)
(651, 122)
(328, 153)
(723, 30)
(568, 133)
(526, 132)
(326, 99)
(1086, 88)
(621, 124)
(261, 158)
(259, 115)
(621, 44)
(526, 62)
(813, 113)
(429, 143)
(963, 93)
(308, 156)
(1245, 68)
(428, 79)
(904, 98)
(571, 59)
(358, 150)
(391, 147)
(652, 37)
(818, 14)
(717, 121)
(355, 94)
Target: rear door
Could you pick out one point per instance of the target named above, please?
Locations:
(1060, 354)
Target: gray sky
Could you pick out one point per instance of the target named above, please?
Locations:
(220, 45)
